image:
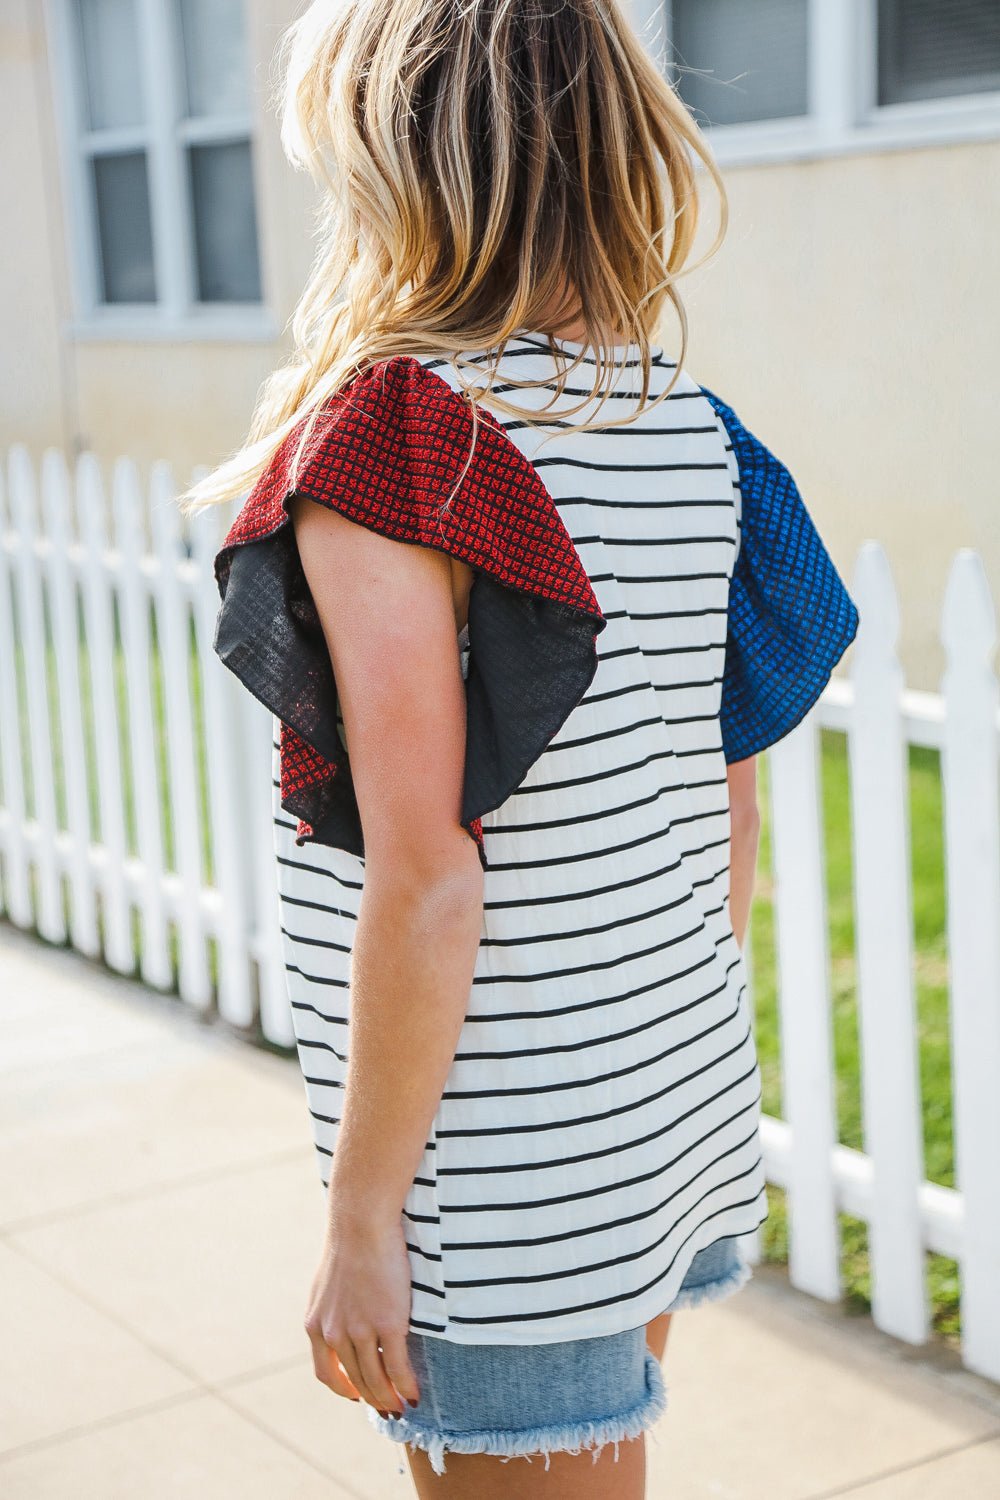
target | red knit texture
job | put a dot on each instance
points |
(386, 451)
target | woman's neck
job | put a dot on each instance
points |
(571, 326)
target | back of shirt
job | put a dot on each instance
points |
(599, 1124)
(651, 601)
(653, 509)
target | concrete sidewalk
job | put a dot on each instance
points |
(160, 1216)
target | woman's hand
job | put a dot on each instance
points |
(359, 1314)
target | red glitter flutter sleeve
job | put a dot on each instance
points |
(386, 452)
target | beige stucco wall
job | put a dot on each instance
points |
(35, 374)
(851, 318)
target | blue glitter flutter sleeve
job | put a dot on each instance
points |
(791, 617)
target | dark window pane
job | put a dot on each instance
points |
(215, 57)
(121, 196)
(928, 50)
(756, 52)
(110, 40)
(225, 223)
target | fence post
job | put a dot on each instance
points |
(804, 1010)
(16, 891)
(883, 918)
(64, 601)
(232, 855)
(173, 622)
(98, 600)
(134, 596)
(51, 916)
(972, 862)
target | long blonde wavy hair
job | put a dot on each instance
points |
(479, 161)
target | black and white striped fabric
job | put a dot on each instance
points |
(600, 1122)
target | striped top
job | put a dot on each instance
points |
(600, 1121)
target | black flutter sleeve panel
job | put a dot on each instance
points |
(386, 452)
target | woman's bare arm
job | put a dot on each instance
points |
(388, 615)
(745, 833)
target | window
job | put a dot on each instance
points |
(755, 53)
(780, 79)
(927, 50)
(158, 113)
(217, 138)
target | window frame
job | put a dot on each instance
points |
(844, 117)
(165, 136)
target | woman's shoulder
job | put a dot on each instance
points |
(395, 448)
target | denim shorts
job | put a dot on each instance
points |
(515, 1400)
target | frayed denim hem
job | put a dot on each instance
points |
(712, 1291)
(523, 1442)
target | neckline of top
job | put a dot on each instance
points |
(574, 346)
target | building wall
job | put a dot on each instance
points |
(35, 373)
(850, 318)
(853, 320)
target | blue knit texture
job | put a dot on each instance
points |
(790, 616)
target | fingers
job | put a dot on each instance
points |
(327, 1368)
(396, 1359)
(357, 1369)
(348, 1358)
(371, 1375)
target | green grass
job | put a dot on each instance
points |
(931, 971)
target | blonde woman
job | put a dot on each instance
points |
(525, 601)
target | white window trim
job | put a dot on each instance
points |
(176, 314)
(844, 118)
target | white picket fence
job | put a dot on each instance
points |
(135, 825)
(885, 1185)
(179, 892)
